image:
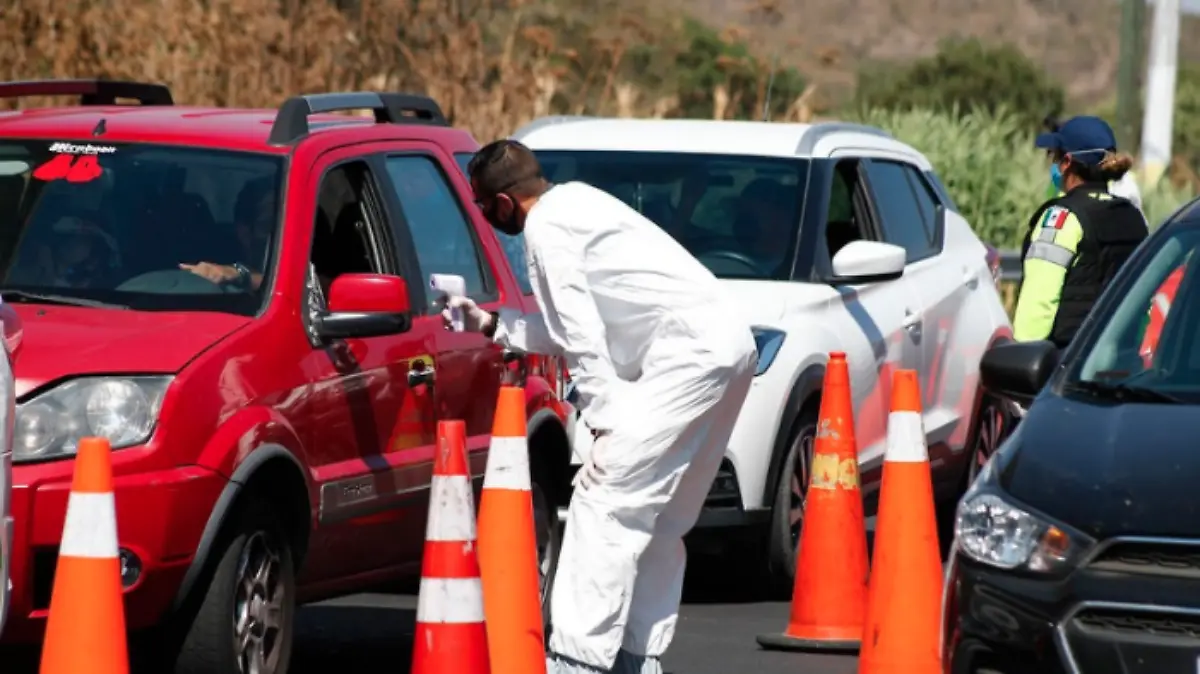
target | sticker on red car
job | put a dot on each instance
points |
(73, 163)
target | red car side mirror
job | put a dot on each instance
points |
(366, 305)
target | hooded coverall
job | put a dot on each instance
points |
(663, 362)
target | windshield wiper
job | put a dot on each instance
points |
(1124, 392)
(50, 298)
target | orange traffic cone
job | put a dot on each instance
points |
(904, 599)
(85, 633)
(450, 634)
(830, 592)
(507, 546)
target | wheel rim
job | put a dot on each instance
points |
(802, 451)
(258, 620)
(987, 440)
(543, 535)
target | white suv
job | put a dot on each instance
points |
(834, 237)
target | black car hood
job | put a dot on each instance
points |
(1108, 469)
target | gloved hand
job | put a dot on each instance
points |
(590, 472)
(474, 318)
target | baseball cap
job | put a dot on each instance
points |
(1085, 138)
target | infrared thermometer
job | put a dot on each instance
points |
(446, 286)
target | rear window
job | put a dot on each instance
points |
(140, 226)
(514, 246)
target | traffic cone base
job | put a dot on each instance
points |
(829, 598)
(85, 631)
(902, 627)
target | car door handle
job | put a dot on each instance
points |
(420, 377)
(970, 277)
(912, 319)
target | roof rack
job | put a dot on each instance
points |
(291, 122)
(90, 92)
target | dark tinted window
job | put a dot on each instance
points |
(738, 215)
(114, 223)
(1147, 329)
(514, 246)
(902, 220)
(442, 235)
(942, 192)
(927, 200)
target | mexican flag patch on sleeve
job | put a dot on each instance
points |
(1055, 216)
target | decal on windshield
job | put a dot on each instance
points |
(74, 163)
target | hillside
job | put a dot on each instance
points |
(828, 40)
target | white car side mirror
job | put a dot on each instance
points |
(868, 262)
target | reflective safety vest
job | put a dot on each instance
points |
(1160, 306)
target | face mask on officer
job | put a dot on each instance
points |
(501, 212)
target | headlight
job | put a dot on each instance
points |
(993, 531)
(121, 409)
(768, 342)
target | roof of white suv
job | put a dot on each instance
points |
(764, 139)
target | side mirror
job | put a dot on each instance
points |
(365, 305)
(867, 262)
(1018, 370)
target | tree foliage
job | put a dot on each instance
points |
(965, 74)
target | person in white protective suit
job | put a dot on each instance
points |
(662, 364)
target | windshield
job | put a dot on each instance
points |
(148, 227)
(1146, 341)
(738, 215)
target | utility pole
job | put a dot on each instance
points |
(1159, 115)
(1133, 15)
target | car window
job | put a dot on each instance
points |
(897, 206)
(1147, 337)
(154, 228)
(442, 236)
(928, 202)
(514, 246)
(739, 215)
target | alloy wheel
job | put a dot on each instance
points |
(987, 439)
(802, 449)
(258, 620)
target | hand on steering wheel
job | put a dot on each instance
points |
(215, 273)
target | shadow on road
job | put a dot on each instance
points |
(353, 638)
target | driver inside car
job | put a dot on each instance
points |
(254, 219)
(764, 224)
(82, 255)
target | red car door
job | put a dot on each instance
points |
(430, 215)
(372, 417)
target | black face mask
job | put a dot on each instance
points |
(511, 226)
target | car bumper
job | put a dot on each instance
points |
(1095, 621)
(160, 518)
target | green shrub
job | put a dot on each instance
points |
(964, 74)
(989, 165)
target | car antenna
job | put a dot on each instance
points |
(101, 128)
(770, 86)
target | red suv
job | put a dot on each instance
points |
(238, 301)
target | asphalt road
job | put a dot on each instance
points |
(372, 633)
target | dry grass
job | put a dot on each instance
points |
(492, 65)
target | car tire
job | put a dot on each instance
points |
(548, 530)
(244, 623)
(787, 511)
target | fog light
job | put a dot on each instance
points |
(131, 568)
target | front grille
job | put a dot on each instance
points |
(1161, 559)
(1132, 640)
(1123, 622)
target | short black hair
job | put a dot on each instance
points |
(505, 166)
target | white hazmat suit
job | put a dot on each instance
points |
(662, 362)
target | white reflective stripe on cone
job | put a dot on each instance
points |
(507, 464)
(91, 527)
(905, 438)
(1162, 304)
(451, 509)
(450, 600)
